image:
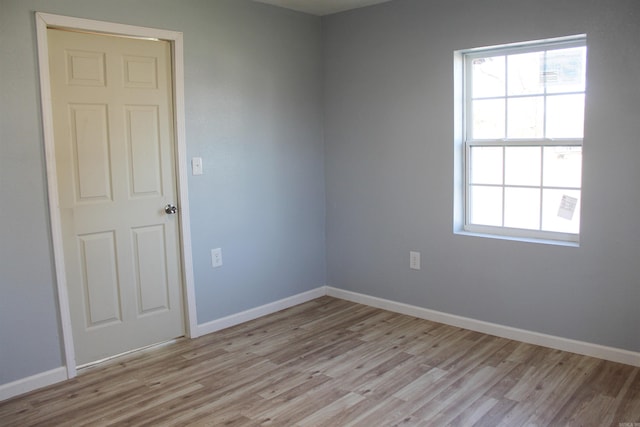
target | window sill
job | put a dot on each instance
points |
(518, 239)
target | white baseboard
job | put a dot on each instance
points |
(263, 310)
(53, 376)
(580, 347)
(25, 385)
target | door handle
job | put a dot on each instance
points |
(170, 209)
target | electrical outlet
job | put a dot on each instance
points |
(216, 257)
(414, 260)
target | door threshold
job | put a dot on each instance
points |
(126, 353)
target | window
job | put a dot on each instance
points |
(523, 128)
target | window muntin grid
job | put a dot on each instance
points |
(523, 139)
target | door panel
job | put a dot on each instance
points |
(114, 146)
(144, 149)
(100, 278)
(90, 141)
(140, 72)
(151, 266)
(85, 68)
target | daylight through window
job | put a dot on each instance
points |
(524, 121)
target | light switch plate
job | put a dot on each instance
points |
(196, 165)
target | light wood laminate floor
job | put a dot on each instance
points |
(330, 362)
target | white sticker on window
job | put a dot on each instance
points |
(562, 67)
(567, 207)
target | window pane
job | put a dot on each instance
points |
(523, 73)
(524, 124)
(488, 76)
(565, 116)
(561, 211)
(485, 205)
(525, 117)
(522, 166)
(486, 165)
(565, 69)
(488, 119)
(562, 167)
(522, 208)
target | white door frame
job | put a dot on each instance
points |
(43, 22)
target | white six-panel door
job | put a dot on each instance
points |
(114, 149)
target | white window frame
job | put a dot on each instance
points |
(465, 80)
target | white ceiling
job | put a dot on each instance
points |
(321, 7)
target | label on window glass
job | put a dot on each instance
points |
(562, 67)
(567, 207)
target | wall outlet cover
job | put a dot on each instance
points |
(414, 260)
(216, 257)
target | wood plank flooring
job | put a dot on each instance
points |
(330, 362)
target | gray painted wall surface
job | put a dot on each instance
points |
(253, 113)
(389, 168)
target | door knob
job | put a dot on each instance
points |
(170, 209)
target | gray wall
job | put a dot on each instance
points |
(253, 113)
(389, 168)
